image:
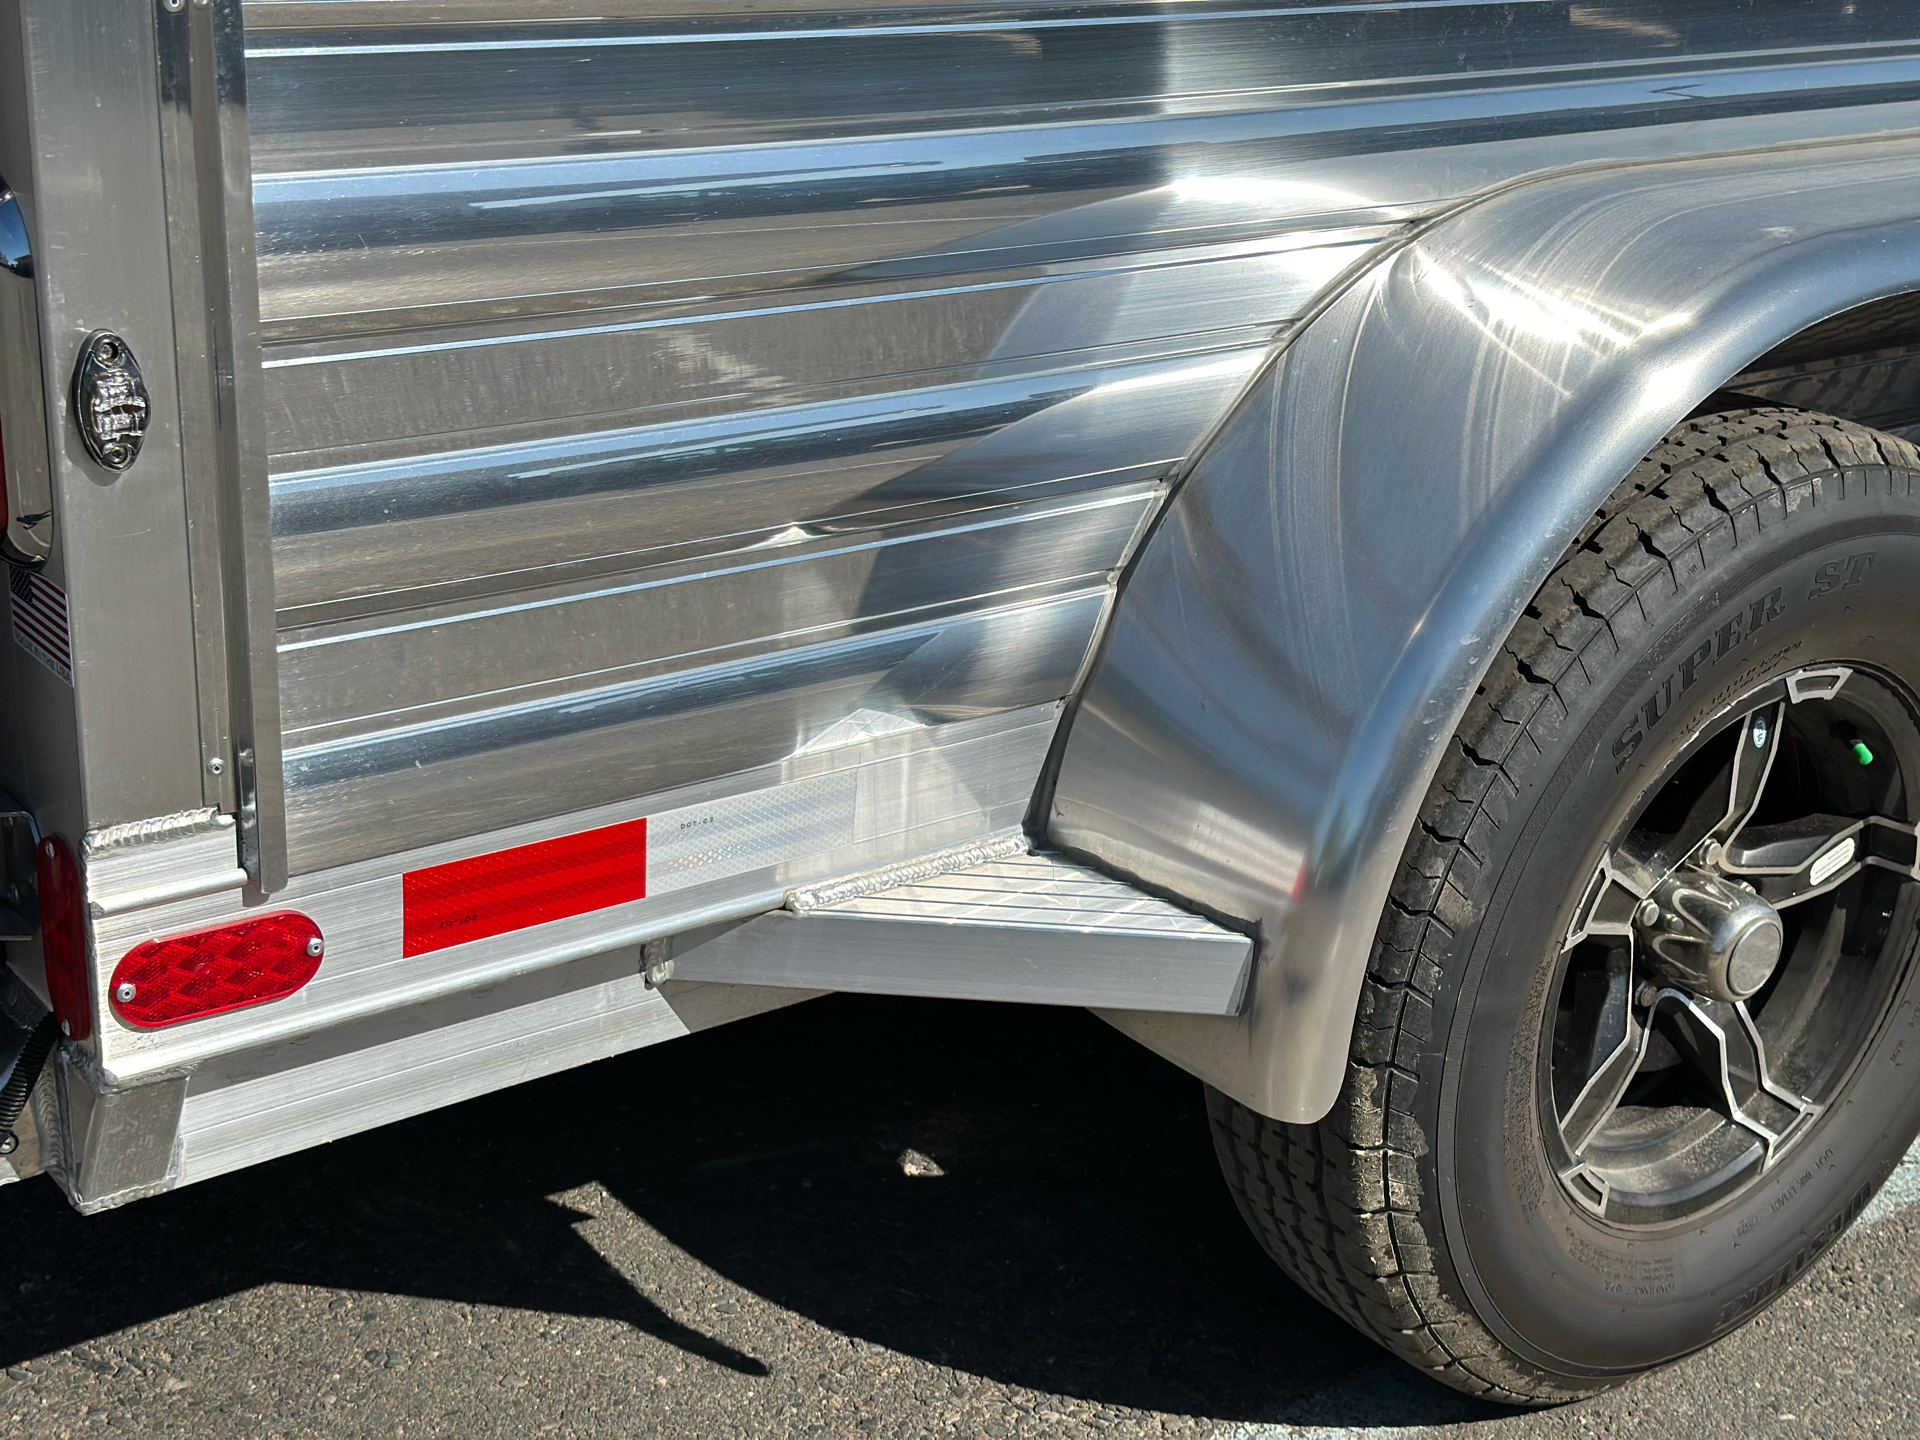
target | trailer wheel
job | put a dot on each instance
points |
(1639, 1036)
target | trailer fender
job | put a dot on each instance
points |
(1305, 627)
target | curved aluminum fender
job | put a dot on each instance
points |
(1303, 631)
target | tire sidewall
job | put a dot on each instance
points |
(1567, 1292)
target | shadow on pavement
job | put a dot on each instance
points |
(1080, 1241)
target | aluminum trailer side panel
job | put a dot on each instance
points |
(737, 419)
(607, 346)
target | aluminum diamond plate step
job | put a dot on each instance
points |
(1027, 927)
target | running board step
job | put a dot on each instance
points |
(1030, 928)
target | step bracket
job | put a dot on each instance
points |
(1029, 928)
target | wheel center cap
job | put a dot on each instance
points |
(1710, 935)
(1751, 962)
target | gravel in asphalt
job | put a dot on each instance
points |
(859, 1216)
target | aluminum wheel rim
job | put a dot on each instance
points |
(1679, 1064)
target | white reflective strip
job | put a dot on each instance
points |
(1833, 862)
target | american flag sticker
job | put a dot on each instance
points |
(40, 620)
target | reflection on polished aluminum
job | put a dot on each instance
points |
(410, 785)
(364, 538)
(425, 664)
(1387, 497)
(606, 300)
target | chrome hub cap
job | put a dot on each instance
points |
(1709, 933)
(1736, 948)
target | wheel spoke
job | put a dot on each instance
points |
(1754, 750)
(1719, 1040)
(1892, 845)
(1618, 885)
(1600, 1096)
(1604, 1052)
(1803, 1108)
(1796, 860)
(1720, 810)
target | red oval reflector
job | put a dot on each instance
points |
(208, 972)
(63, 936)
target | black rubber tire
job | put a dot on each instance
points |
(1422, 1209)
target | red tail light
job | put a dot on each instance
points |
(63, 936)
(208, 972)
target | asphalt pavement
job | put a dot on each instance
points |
(855, 1217)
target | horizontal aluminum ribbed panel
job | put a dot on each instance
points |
(424, 666)
(415, 784)
(653, 389)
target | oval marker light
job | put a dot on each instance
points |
(209, 972)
